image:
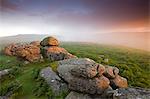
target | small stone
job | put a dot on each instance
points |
(52, 80)
(106, 60)
(101, 56)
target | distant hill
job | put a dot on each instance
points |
(21, 38)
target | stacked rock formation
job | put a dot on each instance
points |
(86, 76)
(29, 52)
(50, 49)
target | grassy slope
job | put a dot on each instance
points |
(133, 64)
(27, 81)
(24, 77)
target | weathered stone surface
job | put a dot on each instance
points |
(102, 82)
(83, 85)
(77, 61)
(53, 80)
(131, 93)
(111, 72)
(75, 95)
(55, 49)
(86, 71)
(10, 49)
(50, 49)
(65, 66)
(55, 53)
(87, 82)
(119, 82)
(121, 93)
(49, 41)
(29, 52)
(86, 76)
(90, 86)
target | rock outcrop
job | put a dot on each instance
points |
(11, 49)
(50, 49)
(29, 52)
(86, 76)
(121, 93)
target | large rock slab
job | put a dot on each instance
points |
(90, 86)
(66, 66)
(86, 76)
(82, 75)
(53, 80)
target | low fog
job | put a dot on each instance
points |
(138, 40)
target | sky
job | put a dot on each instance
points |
(74, 19)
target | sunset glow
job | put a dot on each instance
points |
(85, 20)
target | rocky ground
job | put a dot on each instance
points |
(85, 80)
(82, 77)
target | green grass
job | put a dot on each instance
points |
(8, 61)
(133, 65)
(25, 77)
